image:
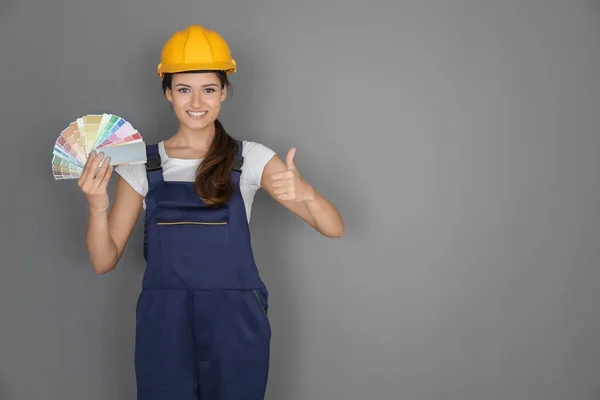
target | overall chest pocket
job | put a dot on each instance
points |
(191, 233)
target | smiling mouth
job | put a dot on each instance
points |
(197, 114)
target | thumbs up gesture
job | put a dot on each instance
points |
(288, 185)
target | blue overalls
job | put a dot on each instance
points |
(202, 331)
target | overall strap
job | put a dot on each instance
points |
(153, 166)
(239, 159)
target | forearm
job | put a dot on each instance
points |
(101, 247)
(326, 217)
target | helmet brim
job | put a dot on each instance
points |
(228, 67)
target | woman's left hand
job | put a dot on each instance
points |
(289, 185)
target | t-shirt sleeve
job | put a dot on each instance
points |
(256, 156)
(135, 175)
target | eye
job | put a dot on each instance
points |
(209, 90)
(183, 90)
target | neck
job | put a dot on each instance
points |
(194, 139)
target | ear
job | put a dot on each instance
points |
(223, 94)
(169, 95)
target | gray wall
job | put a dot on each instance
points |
(460, 141)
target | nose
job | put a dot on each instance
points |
(197, 100)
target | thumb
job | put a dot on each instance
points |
(289, 159)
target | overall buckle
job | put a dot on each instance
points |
(237, 164)
(153, 164)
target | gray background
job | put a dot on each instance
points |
(459, 139)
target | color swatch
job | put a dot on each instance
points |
(107, 133)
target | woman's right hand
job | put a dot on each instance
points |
(94, 180)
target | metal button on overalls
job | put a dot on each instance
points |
(202, 331)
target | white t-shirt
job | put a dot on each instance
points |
(256, 156)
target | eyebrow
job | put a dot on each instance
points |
(186, 85)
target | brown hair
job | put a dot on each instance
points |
(212, 182)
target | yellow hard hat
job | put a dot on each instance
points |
(196, 48)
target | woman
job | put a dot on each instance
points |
(202, 330)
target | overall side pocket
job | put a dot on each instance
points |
(262, 299)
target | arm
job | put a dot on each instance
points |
(283, 182)
(107, 233)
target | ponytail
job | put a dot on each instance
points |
(213, 182)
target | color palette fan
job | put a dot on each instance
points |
(106, 133)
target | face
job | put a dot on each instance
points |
(196, 98)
